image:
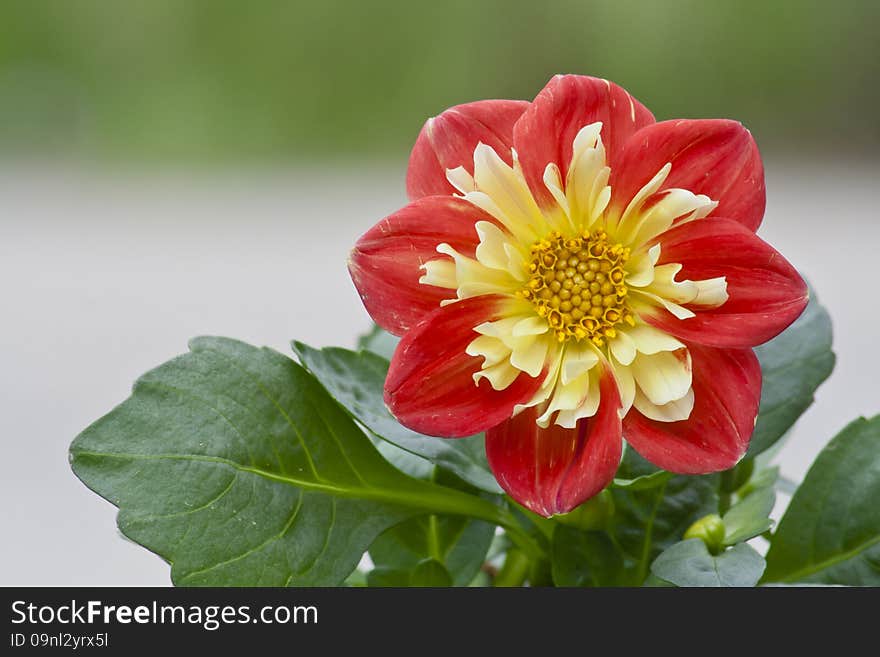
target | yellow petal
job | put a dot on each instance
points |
(674, 411)
(650, 340)
(440, 273)
(663, 377)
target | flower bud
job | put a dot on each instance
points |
(710, 530)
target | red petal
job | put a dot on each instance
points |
(448, 141)
(430, 386)
(766, 293)
(553, 470)
(547, 129)
(385, 263)
(715, 157)
(727, 390)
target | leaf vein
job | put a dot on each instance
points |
(254, 549)
(191, 395)
(324, 547)
(277, 405)
(164, 516)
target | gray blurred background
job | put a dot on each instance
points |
(176, 168)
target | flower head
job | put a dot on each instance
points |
(570, 272)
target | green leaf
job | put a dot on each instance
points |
(634, 466)
(426, 573)
(585, 558)
(379, 341)
(356, 380)
(235, 465)
(689, 563)
(596, 513)
(647, 521)
(749, 517)
(638, 473)
(793, 365)
(763, 478)
(458, 543)
(737, 476)
(406, 462)
(388, 577)
(430, 573)
(643, 482)
(357, 579)
(830, 533)
(654, 582)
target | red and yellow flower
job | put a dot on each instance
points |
(570, 272)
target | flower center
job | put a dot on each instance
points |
(579, 285)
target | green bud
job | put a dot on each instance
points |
(710, 530)
(595, 513)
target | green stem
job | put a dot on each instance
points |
(481, 509)
(515, 569)
(433, 529)
(457, 503)
(645, 560)
(434, 539)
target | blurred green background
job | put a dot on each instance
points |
(219, 81)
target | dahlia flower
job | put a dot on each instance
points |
(570, 273)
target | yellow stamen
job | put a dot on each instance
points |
(579, 285)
